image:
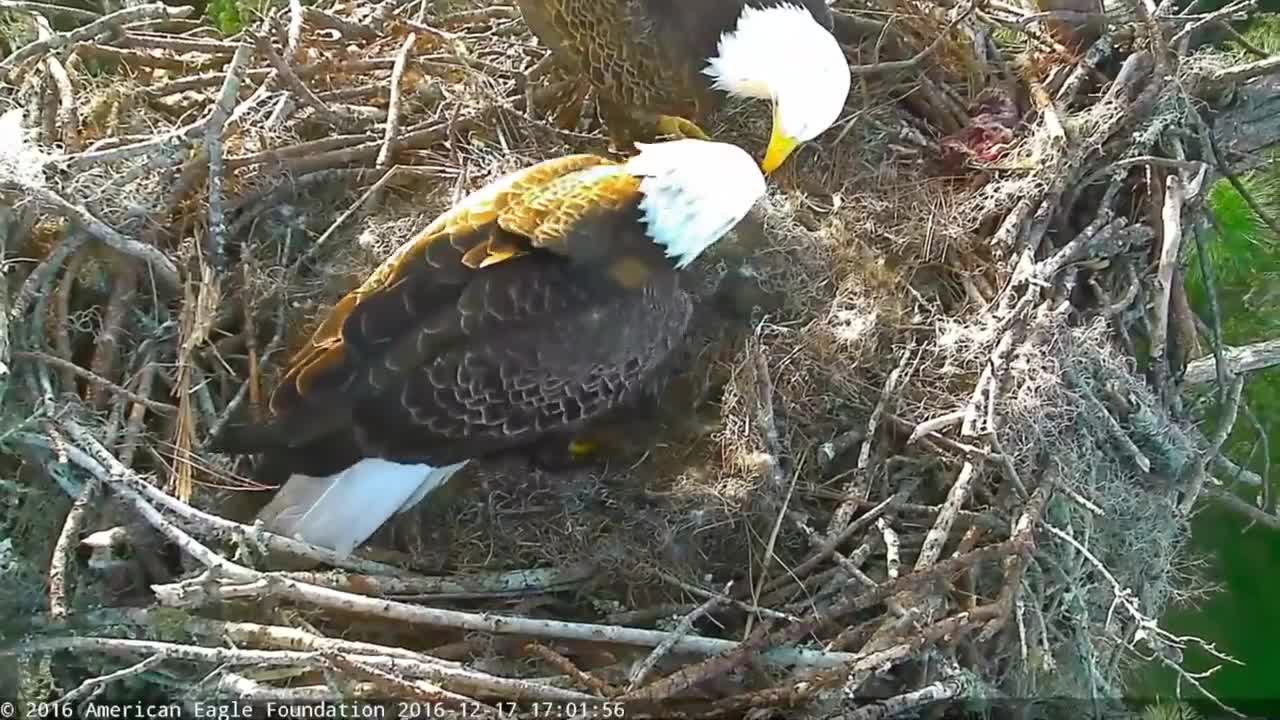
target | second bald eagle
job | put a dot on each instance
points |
(656, 65)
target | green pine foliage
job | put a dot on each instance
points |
(1244, 258)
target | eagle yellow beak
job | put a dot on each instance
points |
(780, 146)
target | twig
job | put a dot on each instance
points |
(1249, 511)
(92, 685)
(304, 93)
(585, 680)
(174, 141)
(1225, 170)
(464, 680)
(62, 549)
(935, 425)
(164, 269)
(92, 30)
(215, 242)
(1268, 497)
(257, 584)
(294, 34)
(37, 356)
(1215, 317)
(68, 115)
(1100, 412)
(1225, 424)
(213, 524)
(888, 395)
(393, 105)
(400, 687)
(71, 13)
(176, 44)
(746, 607)
(1246, 71)
(1212, 18)
(322, 242)
(1170, 243)
(641, 673)
(914, 60)
(1240, 360)
(1154, 636)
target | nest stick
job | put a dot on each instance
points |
(463, 680)
(400, 687)
(393, 105)
(911, 704)
(284, 588)
(99, 461)
(37, 356)
(1225, 424)
(1155, 636)
(807, 684)
(68, 538)
(1171, 242)
(1250, 512)
(61, 325)
(161, 266)
(1015, 566)
(293, 36)
(585, 680)
(641, 672)
(68, 117)
(1246, 71)
(215, 239)
(1212, 18)
(92, 686)
(888, 395)
(257, 635)
(71, 13)
(459, 587)
(92, 30)
(124, 288)
(137, 414)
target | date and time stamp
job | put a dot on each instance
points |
(353, 710)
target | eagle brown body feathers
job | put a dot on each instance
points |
(644, 57)
(529, 310)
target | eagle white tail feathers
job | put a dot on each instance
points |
(341, 511)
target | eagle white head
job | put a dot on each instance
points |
(780, 53)
(694, 191)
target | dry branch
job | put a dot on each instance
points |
(1240, 360)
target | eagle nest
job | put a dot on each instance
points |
(932, 436)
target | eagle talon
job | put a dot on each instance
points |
(678, 128)
(559, 457)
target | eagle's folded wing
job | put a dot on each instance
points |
(418, 300)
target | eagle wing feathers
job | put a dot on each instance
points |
(394, 332)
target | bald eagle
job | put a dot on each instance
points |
(536, 306)
(655, 64)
